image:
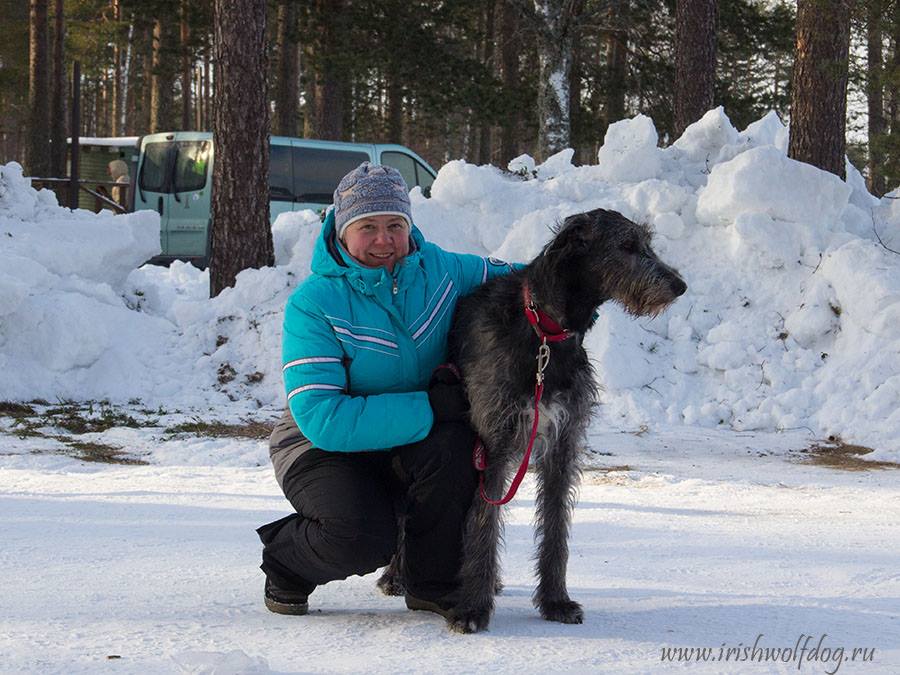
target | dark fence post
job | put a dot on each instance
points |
(74, 168)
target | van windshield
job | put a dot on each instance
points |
(153, 170)
(175, 166)
(191, 163)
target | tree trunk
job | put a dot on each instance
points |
(99, 112)
(616, 44)
(328, 112)
(186, 112)
(577, 121)
(490, 38)
(126, 119)
(286, 71)
(695, 61)
(875, 97)
(556, 42)
(241, 234)
(309, 79)
(509, 66)
(143, 83)
(329, 115)
(59, 94)
(115, 89)
(394, 112)
(37, 155)
(819, 84)
(893, 95)
(162, 101)
(207, 98)
(198, 97)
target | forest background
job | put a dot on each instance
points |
(449, 78)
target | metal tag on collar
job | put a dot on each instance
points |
(543, 360)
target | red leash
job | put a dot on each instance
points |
(547, 330)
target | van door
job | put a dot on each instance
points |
(189, 203)
(154, 175)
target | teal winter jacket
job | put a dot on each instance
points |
(360, 344)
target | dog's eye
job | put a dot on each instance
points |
(631, 247)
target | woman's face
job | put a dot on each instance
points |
(378, 241)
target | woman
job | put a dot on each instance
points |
(375, 436)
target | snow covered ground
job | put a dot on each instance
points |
(692, 540)
(706, 521)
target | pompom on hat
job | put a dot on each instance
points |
(370, 190)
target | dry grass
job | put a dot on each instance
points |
(843, 456)
(99, 452)
(249, 429)
(74, 419)
(10, 409)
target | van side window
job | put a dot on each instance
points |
(404, 164)
(411, 170)
(281, 174)
(317, 172)
(424, 177)
(153, 170)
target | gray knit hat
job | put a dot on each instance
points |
(370, 190)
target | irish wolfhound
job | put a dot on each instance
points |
(519, 338)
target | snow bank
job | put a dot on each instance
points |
(629, 153)
(791, 318)
(65, 331)
(764, 180)
(96, 247)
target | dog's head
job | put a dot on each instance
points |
(609, 257)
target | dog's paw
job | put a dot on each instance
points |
(564, 611)
(391, 584)
(498, 587)
(469, 621)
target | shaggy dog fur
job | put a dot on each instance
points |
(594, 257)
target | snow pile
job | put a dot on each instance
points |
(65, 331)
(629, 153)
(791, 319)
(96, 247)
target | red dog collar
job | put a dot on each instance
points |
(543, 324)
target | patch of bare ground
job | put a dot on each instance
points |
(248, 429)
(843, 456)
(41, 420)
(601, 475)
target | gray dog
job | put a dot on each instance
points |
(513, 334)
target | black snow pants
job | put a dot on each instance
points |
(349, 506)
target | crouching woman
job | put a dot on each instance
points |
(375, 436)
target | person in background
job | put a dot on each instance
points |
(375, 436)
(117, 170)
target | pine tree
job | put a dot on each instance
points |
(241, 236)
(819, 85)
(58, 94)
(37, 158)
(695, 60)
(557, 24)
(284, 121)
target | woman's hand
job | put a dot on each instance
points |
(447, 395)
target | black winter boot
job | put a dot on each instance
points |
(282, 601)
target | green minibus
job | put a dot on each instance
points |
(174, 177)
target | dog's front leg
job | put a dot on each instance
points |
(557, 478)
(479, 573)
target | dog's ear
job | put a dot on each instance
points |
(572, 236)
